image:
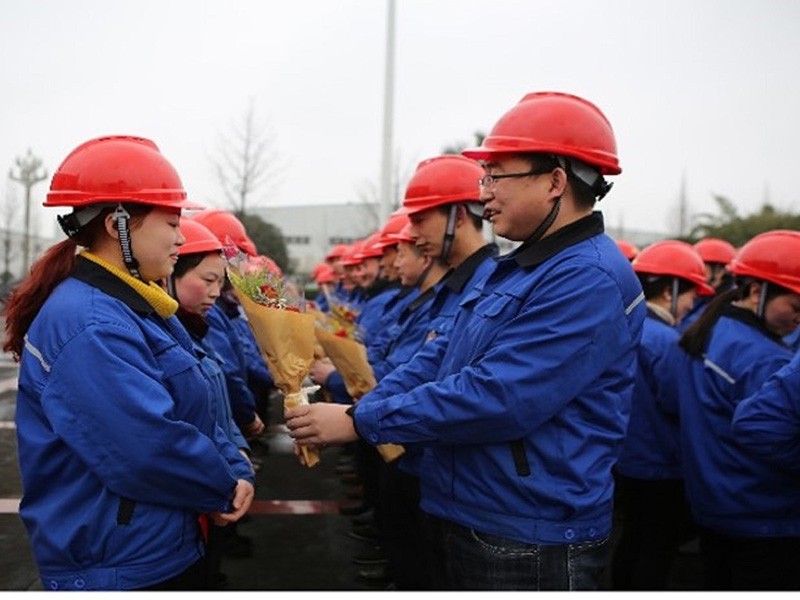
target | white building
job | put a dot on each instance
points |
(311, 230)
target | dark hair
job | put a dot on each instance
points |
(695, 339)
(654, 285)
(187, 262)
(25, 302)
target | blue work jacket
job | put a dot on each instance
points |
(118, 452)
(210, 362)
(466, 276)
(652, 445)
(523, 406)
(382, 337)
(406, 337)
(224, 338)
(731, 490)
(255, 366)
(378, 296)
(768, 422)
(444, 308)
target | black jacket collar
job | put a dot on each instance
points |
(748, 317)
(458, 277)
(535, 253)
(96, 276)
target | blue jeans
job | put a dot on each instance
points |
(480, 561)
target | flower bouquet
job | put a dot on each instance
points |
(349, 356)
(342, 321)
(282, 328)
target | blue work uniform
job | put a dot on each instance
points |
(374, 307)
(652, 445)
(767, 423)
(118, 451)
(650, 491)
(226, 341)
(523, 406)
(730, 490)
(469, 274)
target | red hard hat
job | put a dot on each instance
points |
(198, 238)
(714, 250)
(554, 123)
(371, 247)
(674, 258)
(226, 227)
(336, 252)
(629, 250)
(397, 220)
(352, 256)
(117, 169)
(323, 273)
(443, 180)
(773, 256)
(404, 235)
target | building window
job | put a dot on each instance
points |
(333, 241)
(300, 240)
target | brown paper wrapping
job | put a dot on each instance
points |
(293, 399)
(286, 339)
(350, 359)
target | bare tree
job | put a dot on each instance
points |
(245, 161)
(29, 173)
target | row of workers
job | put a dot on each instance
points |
(512, 432)
(524, 387)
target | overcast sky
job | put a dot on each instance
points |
(706, 89)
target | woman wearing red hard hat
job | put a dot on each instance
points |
(117, 455)
(522, 407)
(747, 509)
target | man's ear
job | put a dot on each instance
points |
(461, 215)
(558, 181)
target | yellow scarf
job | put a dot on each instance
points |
(153, 294)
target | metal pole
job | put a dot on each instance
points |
(28, 176)
(388, 105)
(26, 250)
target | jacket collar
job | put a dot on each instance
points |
(748, 317)
(96, 276)
(458, 277)
(531, 254)
(656, 312)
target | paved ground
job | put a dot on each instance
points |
(300, 539)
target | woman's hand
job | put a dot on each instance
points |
(242, 499)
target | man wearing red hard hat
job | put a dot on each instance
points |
(522, 407)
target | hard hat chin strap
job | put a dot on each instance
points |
(762, 300)
(545, 225)
(449, 233)
(673, 305)
(424, 275)
(121, 218)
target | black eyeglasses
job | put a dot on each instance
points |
(490, 180)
